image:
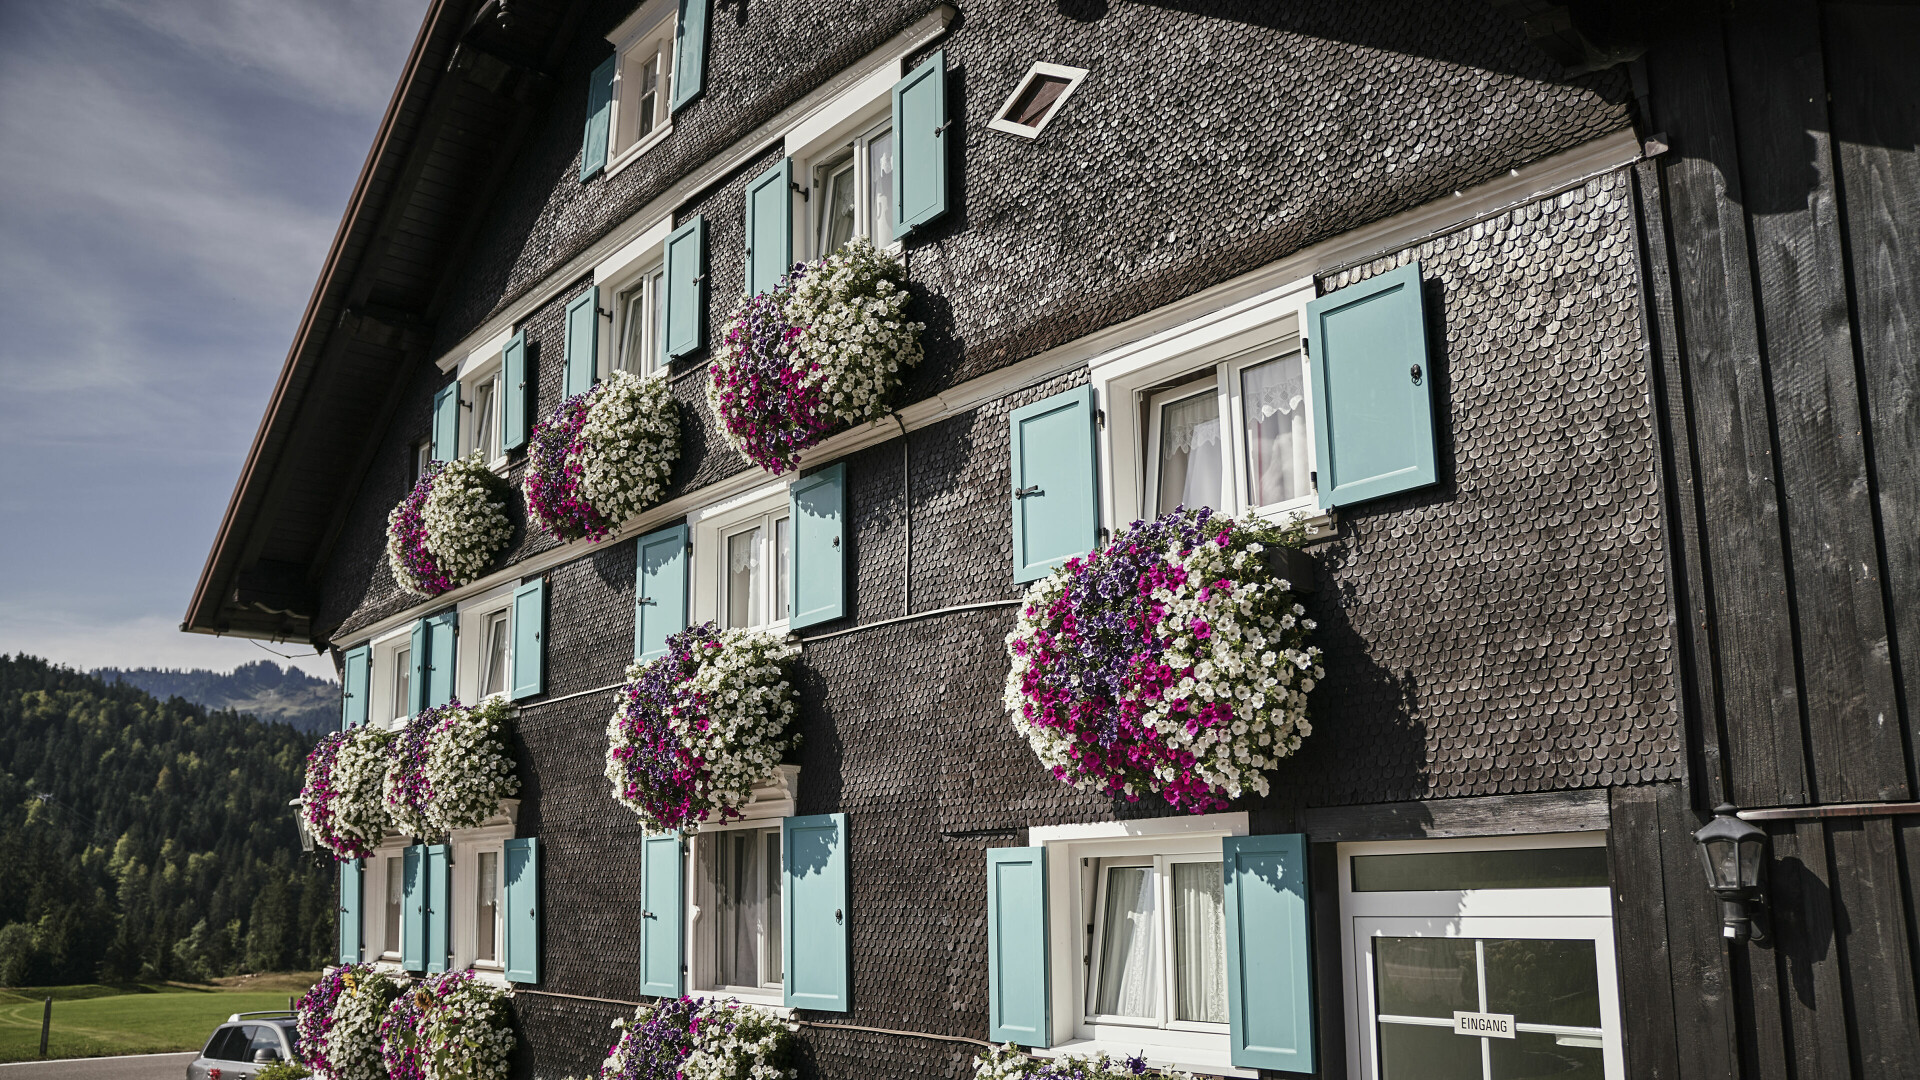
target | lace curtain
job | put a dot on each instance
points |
(1192, 463)
(1128, 983)
(1199, 943)
(1273, 396)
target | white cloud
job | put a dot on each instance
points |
(147, 641)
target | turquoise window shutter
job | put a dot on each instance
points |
(353, 687)
(439, 906)
(583, 341)
(813, 899)
(522, 899)
(920, 135)
(593, 147)
(441, 649)
(769, 227)
(516, 392)
(1056, 513)
(817, 583)
(413, 908)
(659, 591)
(418, 662)
(1372, 389)
(446, 422)
(1269, 967)
(689, 53)
(349, 926)
(663, 890)
(529, 639)
(686, 278)
(1018, 978)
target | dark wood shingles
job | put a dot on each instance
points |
(1786, 173)
(1870, 935)
(1733, 425)
(1876, 130)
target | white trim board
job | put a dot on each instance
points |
(772, 133)
(1235, 296)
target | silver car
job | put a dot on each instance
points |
(245, 1044)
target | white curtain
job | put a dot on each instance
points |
(1273, 396)
(1129, 985)
(880, 186)
(743, 578)
(1199, 943)
(1191, 459)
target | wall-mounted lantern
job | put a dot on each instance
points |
(300, 823)
(1734, 851)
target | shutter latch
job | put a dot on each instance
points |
(798, 190)
(1021, 493)
(941, 130)
(646, 914)
(1415, 372)
(646, 601)
(838, 915)
(836, 541)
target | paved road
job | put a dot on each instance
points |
(137, 1067)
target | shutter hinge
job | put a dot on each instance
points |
(1313, 479)
(798, 190)
(604, 313)
(1100, 418)
(1306, 346)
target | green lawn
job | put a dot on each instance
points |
(94, 1021)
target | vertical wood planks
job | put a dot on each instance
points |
(1703, 1001)
(1875, 951)
(1640, 929)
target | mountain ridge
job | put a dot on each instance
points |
(262, 688)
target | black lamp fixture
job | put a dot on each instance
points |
(1734, 851)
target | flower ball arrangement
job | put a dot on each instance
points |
(449, 768)
(449, 527)
(820, 351)
(342, 798)
(1173, 661)
(697, 728)
(700, 1039)
(448, 1027)
(339, 1022)
(602, 457)
(1008, 1063)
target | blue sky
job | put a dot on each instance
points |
(171, 173)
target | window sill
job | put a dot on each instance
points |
(632, 153)
(770, 1000)
(1208, 1062)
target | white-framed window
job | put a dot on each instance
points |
(390, 678)
(734, 879)
(484, 646)
(642, 80)
(422, 457)
(850, 189)
(383, 889)
(481, 395)
(1217, 413)
(639, 316)
(477, 932)
(1036, 99)
(1142, 906)
(742, 549)
(1480, 958)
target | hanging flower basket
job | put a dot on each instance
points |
(700, 1039)
(1174, 661)
(449, 769)
(602, 457)
(698, 727)
(339, 1023)
(449, 527)
(1008, 1063)
(342, 796)
(448, 1027)
(821, 351)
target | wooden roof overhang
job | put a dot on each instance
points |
(471, 85)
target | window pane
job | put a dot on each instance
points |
(261, 1037)
(743, 579)
(658, 289)
(1191, 463)
(1129, 983)
(1408, 1052)
(1425, 976)
(1544, 981)
(1454, 871)
(1533, 1055)
(495, 669)
(402, 683)
(836, 209)
(649, 95)
(880, 187)
(1273, 397)
(487, 906)
(1199, 943)
(391, 941)
(772, 876)
(782, 557)
(738, 900)
(633, 330)
(483, 420)
(1036, 100)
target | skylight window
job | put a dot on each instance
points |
(1037, 99)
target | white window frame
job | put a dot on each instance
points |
(773, 799)
(463, 929)
(825, 158)
(1128, 379)
(383, 654)
(1074, 892)
(1572, 913)
(470, 642)
(643, 261)
(712, 526)
(484, 366)
(835, 127)
(422, 457)
(646, 34)
(373, 907)
(1000, 122)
